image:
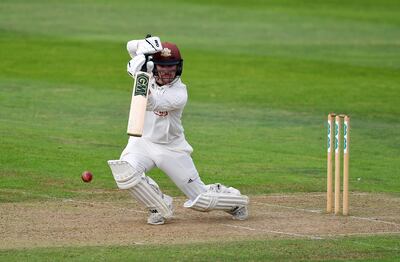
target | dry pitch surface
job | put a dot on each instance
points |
(67, 222)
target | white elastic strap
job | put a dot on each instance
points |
(139, 187)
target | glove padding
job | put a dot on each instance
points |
(146, 46)
(136, 64)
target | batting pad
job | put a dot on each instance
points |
(139, 187)
(218, 197)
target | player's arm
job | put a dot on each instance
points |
(172, 99)
(140, 68)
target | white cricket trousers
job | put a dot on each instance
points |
(144, 155)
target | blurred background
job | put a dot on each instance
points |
(262, 77)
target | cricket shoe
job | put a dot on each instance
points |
(156, 218)
(239, 213)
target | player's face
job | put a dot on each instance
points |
(166, 74)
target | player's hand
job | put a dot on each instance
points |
(135, 65)
(147, 46)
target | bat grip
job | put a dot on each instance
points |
(144, 67)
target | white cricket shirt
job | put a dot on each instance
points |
(162, 123)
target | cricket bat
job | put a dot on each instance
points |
(138, 104)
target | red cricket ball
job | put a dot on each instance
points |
(87, 176)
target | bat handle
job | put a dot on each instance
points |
(144, 67)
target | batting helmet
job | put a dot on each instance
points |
(169, 55)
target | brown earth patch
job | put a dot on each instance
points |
(71, 222)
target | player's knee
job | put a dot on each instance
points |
(126, 176)
(133, 162)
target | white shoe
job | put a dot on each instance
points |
(239, 213)
(156, 218)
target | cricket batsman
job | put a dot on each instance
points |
(163, 144)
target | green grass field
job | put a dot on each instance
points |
(262, 77)
(364, 249)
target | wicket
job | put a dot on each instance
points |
(346, 153)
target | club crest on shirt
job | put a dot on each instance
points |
(161, 113)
